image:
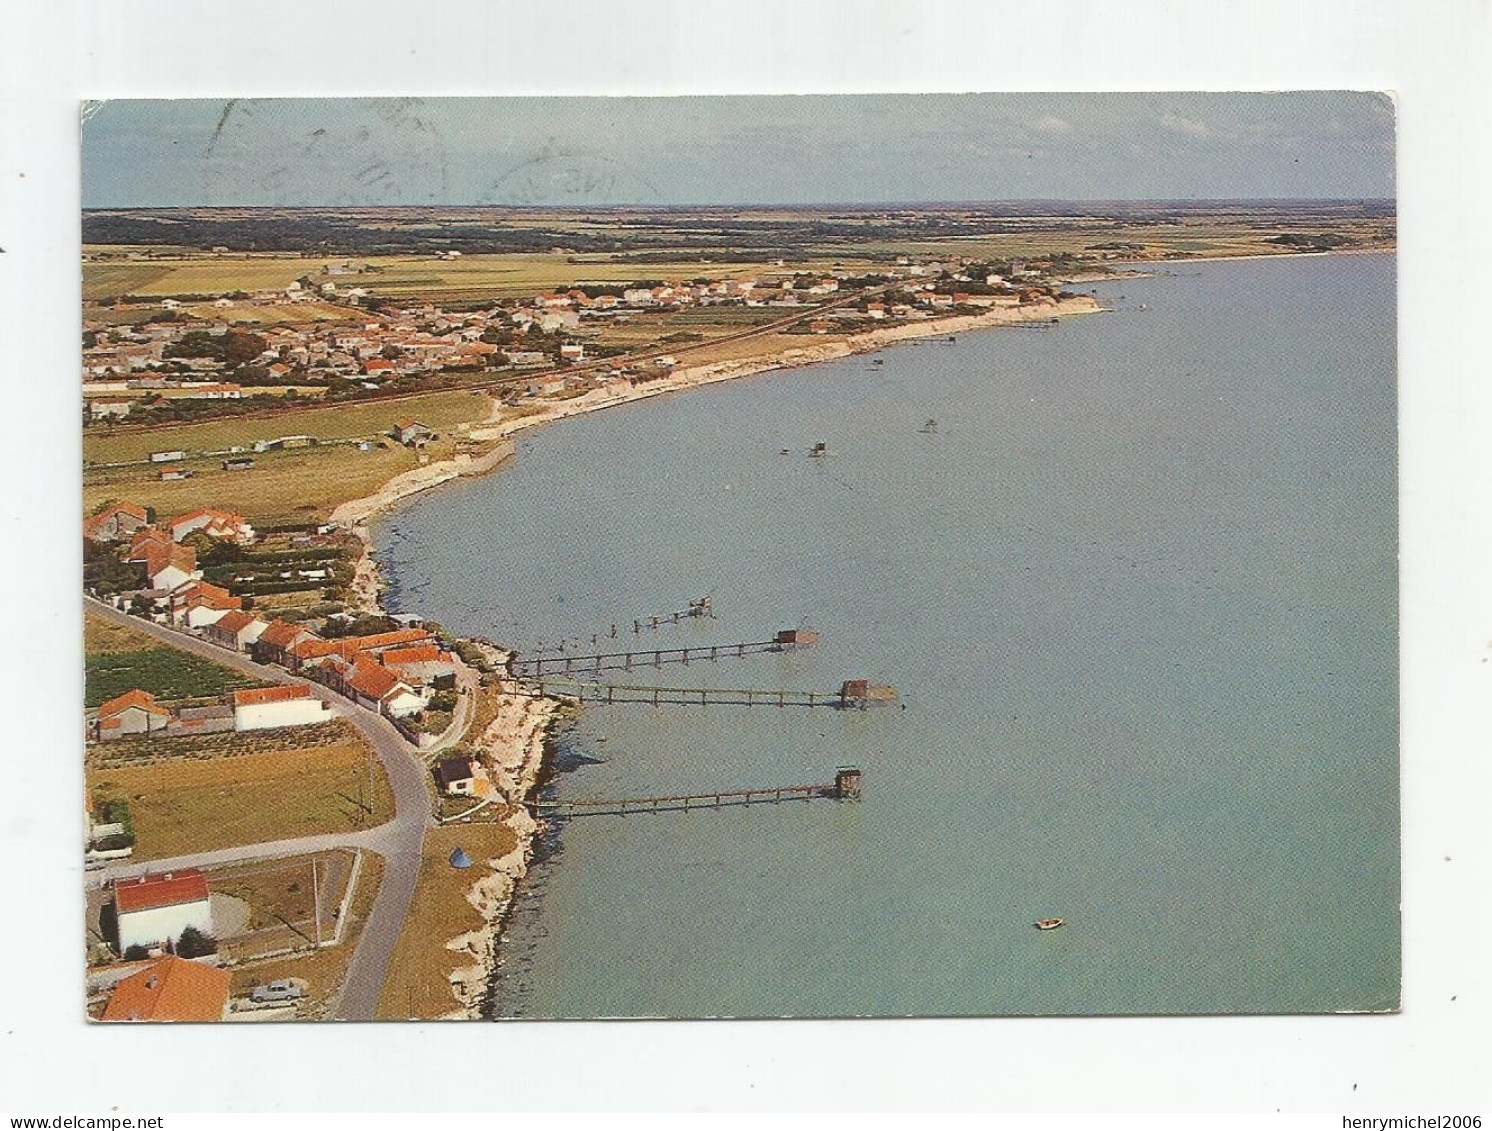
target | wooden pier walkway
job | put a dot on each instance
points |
(854, 693)
(845, 787)
(535, 666)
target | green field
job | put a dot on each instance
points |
(472, 277)
(194, 804)
(437, 410)
(164, 672)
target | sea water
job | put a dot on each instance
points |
(1137, 590)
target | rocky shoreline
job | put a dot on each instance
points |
(517, 740)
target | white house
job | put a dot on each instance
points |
(156, 907)
(214, 523)
(172, 569)
(261, 708)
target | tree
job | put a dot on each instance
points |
(135, 953)
(239, 346)
(196, 944)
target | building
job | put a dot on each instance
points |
(119, 522)
(374, 686)
(134, 712)
(546, 386)
(262, 708)
(413, 434)
(276, 641)
(200, 603)
(171, 989)
(423, 664)
(214, 719)
(214, 523)
(455, 776)
(236, 630)
(152, 910)
(572, 351)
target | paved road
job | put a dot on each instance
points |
(400, 841)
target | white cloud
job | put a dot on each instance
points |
(1048, 124)
(1177, 124)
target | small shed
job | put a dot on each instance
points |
(847, 783)
(795, 638)
(455, 776)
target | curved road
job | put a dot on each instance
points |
(400, 841)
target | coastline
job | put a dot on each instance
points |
(1272, 255)
(516, 741)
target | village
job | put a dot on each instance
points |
(176, 359)
(377, 702)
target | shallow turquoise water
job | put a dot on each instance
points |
(1138, 593)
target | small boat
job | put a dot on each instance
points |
(930, 426)
(1049, 924)
(819, 451)
(878, 361)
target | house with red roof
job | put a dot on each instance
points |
(276, 641)
(422, 664)
(171, 989)
(263, 708)
(117, 523)
(167, 565)
(134, 712)
(200, 603)
(235, 630)
(374, 686)
(152, 910)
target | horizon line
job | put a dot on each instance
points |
(881, 204)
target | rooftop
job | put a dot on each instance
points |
(160, 889)
(170, 989)
(255, 696)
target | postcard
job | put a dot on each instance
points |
(740, 557)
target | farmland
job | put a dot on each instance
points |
(282, 787)
(438, 410)
(518, 252)
(295, 485)
(118, 659)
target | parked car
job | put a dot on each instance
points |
(286, 989)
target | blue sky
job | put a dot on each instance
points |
(737, 150)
